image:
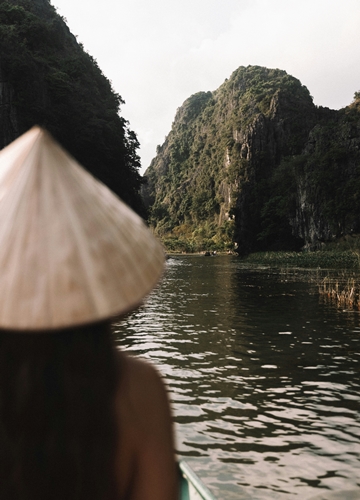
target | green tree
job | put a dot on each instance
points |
(56, 84)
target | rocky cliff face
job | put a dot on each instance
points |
(328, 182)
(270, 137)
(257, 164)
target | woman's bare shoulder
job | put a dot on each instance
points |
(139, 369)
(143, 396)
(146, 428)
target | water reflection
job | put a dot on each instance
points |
(264, 378)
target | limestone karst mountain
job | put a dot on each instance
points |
(257, 165)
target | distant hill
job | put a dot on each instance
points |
(256, 164)
(47, 78)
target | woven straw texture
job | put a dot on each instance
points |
(71, 252)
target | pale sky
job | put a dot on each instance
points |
(157, 53)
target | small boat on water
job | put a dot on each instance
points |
(191, 487)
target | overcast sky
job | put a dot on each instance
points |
(159, 52)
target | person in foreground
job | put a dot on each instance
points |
(79, 419)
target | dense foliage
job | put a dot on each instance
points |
(257, 164)
(56, 84)
(208, 158)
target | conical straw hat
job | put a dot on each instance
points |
(71, 252)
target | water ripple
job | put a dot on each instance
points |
(263, 378)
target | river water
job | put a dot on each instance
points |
(262, 374)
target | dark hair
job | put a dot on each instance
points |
(58, 433)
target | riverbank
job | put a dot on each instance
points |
(343, 253)
(323, 259)
(342, 290)
(319, 259)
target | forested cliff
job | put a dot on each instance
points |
(47, 78)
(256, 164)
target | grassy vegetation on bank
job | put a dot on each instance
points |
(342, 292)
(343, 256)
(330, 258)
(347, 259)
(208, 237)
(185, 238)
(343, 253)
